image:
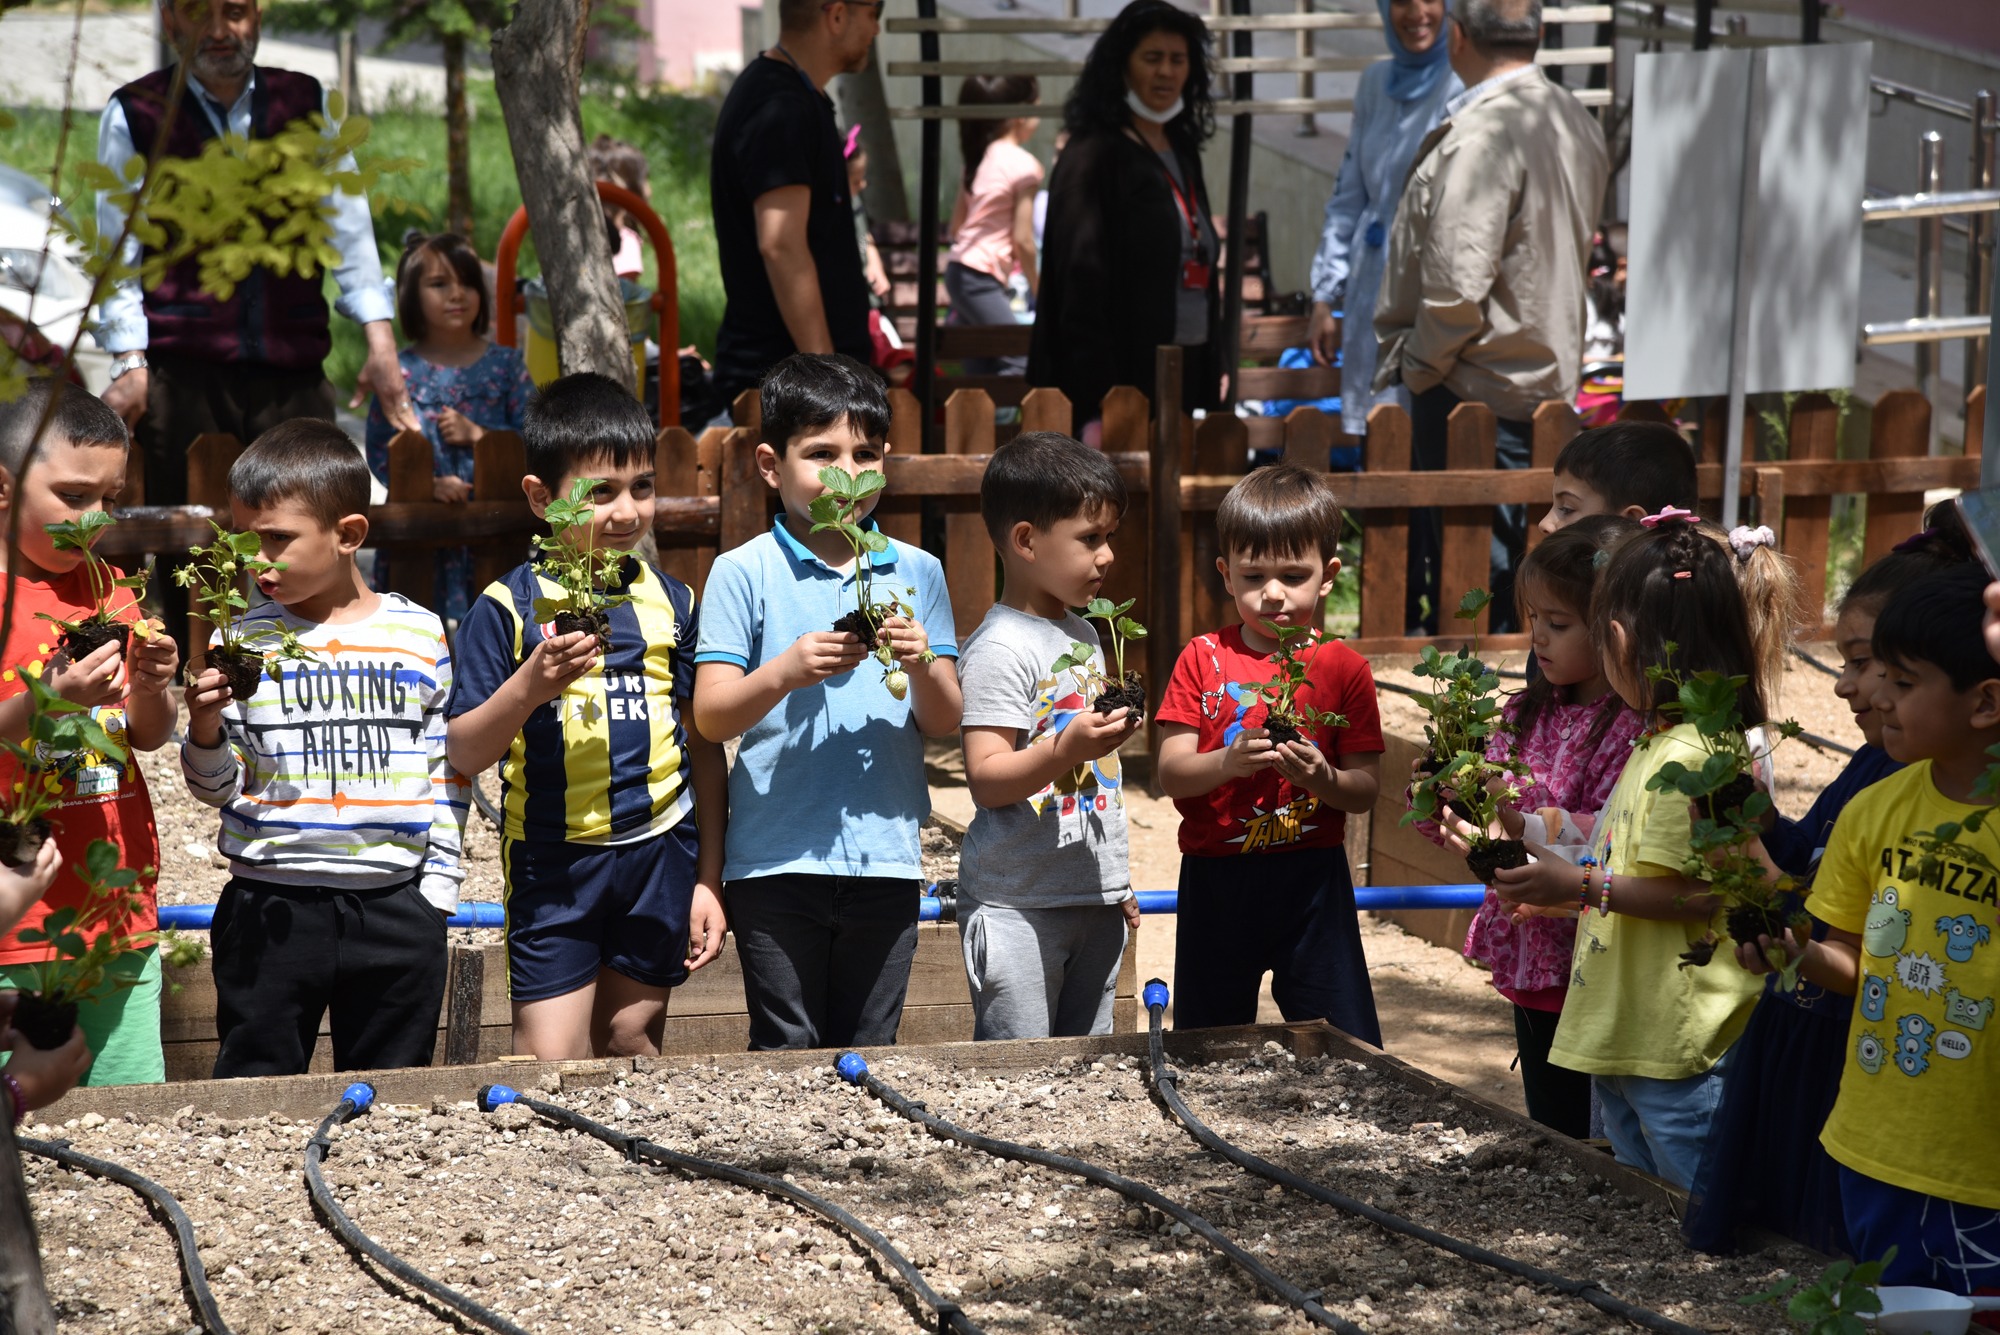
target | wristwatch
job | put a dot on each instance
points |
(127, 361)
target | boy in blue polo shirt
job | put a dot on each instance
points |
(611, 842)
(822, 875)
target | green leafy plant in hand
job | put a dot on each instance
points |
(214, 578)
(1463, 713)
(1839, 1302)
(581, 569)
(82, 637)
(1729, 815)
(78, 968)
(1286, 717)
(838, 509)
(1123, 690)
(58, 733)
(1946, 843)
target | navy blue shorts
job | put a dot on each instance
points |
(573, 909)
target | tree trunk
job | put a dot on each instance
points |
(457, 141)
(347, 60)
(537, 68)
(24, 1303)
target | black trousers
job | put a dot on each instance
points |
(826, 959)
(187, 397)
(285, 956)
(1558, 1097)
(1430, 414)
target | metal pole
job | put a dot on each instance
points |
(1739, 331)
(1704, 24)
(1930, 269)
(1809, 21)
(1979, 234)
(1989, 458)
(1239, 209)
(1308, 83)
(932, 134)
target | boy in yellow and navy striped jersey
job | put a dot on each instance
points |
(341, 816)
(611, 838)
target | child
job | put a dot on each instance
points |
(1264, 881)
(1627, 468)
(1655, 1036)
(1764, 1166)
(461, 385)
(857, 188)
(1574, 733)
(822, 876)
(993, 222)
(1045, 900)
(623, 164)
(33, 1078)
(611, 845)
(1915, 947)
(341, 818)
(78, 466)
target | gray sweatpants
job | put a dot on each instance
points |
(1041, 973)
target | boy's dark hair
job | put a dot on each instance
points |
(1937, 620)
(1942, 544)
(1647, 464)
(1565, 568)
(810, 391)
(463, 260)
(1279, 510)
(1675, 585)
(303, 460)
(1044, 477)
(79, 417)
(580, 420)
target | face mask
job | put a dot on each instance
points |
(1144, 112)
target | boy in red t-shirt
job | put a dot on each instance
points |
(1243, 796)
(78, 466)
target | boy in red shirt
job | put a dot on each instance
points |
(77, 466)
(1242, 796)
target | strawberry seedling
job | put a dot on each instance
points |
(1286, 717)
(77, 968)
(83, 637)
(580, 568)
(215, 579)
(1125, 690)
(59, 735)
(838, 510)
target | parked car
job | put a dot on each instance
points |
(42, 281)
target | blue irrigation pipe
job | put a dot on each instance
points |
(933, 908)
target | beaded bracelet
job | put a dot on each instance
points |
(1583, 891)
(1604, 900)
(15, 1096)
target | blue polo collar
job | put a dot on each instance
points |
(882, 560)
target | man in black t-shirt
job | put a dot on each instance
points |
(784, 227)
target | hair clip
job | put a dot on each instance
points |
(1684, 574)
(853, 143)
(1746, 540)
(1668, 515)
(1600, 559)
(1916, 542)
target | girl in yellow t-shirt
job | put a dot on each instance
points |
(1653, 1035)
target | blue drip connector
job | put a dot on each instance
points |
(361, 1095)
(1155, 995)
(852, 1066)
(492, 1096)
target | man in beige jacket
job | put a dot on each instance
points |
(1483, 295)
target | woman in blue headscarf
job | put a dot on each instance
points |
(1399, 102)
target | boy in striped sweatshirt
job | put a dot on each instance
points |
(342, 819)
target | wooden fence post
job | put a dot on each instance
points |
(465, 989)
(748, 411)
(1644, 410)
(1309, 437)
(708, 454)
(1901, 430)
(209, 459)
(1386, 541)
(1465, 556)
(902, 517)
(1128, 430)
(1975, 422)
(1047, 409)
(413, 572)
(1221, 444)
(1163, 619)
(968, 552)
(677, 472)
(745, 507)
(499, 461)
(1815, 435)
(1553, 426)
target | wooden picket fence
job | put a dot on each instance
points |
(711, 497)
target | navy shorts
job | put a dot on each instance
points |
(573, 909)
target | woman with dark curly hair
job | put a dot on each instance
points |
(1130, 257)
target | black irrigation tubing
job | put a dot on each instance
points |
(1165, 1083)
(854, 1069)
(162, 1202)
(635, 1148)
(357, 1098)
(1800, 652)
(486, 805)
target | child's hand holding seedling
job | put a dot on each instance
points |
(1249, 751)
(43, 1077)
(99, 678)
(23, 887)
(818, 655)
(154, 660)
(1305, 766)
(1090, 736)
(554, 663)
(206, 695)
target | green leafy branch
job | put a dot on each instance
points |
(214, 579)
(1463, 710)
(80, 535)
(1839, 1302)
(1120, 627)
(57, 730)
(570, 556)
(77, 966)
(1281, 693)
(838, 509)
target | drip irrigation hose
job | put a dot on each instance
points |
(854, 1070)
(1800, 652)
(1165, 1083)
(356, 1099)
(635, 1148)
(162, 1203)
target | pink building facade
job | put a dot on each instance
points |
(690, 42)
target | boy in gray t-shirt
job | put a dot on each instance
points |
(1045, 899)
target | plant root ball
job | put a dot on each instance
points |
(87, 637)
(860, 627)
(594, 623)
(21, 844)
(45, 1024)
(1487, 858)
(1131, 695)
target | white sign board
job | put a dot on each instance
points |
(1693, 122)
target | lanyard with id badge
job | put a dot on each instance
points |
(1195, 273)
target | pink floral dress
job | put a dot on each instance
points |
(1530, 958)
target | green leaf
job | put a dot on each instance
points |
(874, 540)
(1131, 629)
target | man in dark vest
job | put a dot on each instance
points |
(183, 362)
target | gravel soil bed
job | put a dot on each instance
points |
(561, 1234)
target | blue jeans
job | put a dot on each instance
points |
(1661, 1126)
(1940, 1244)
